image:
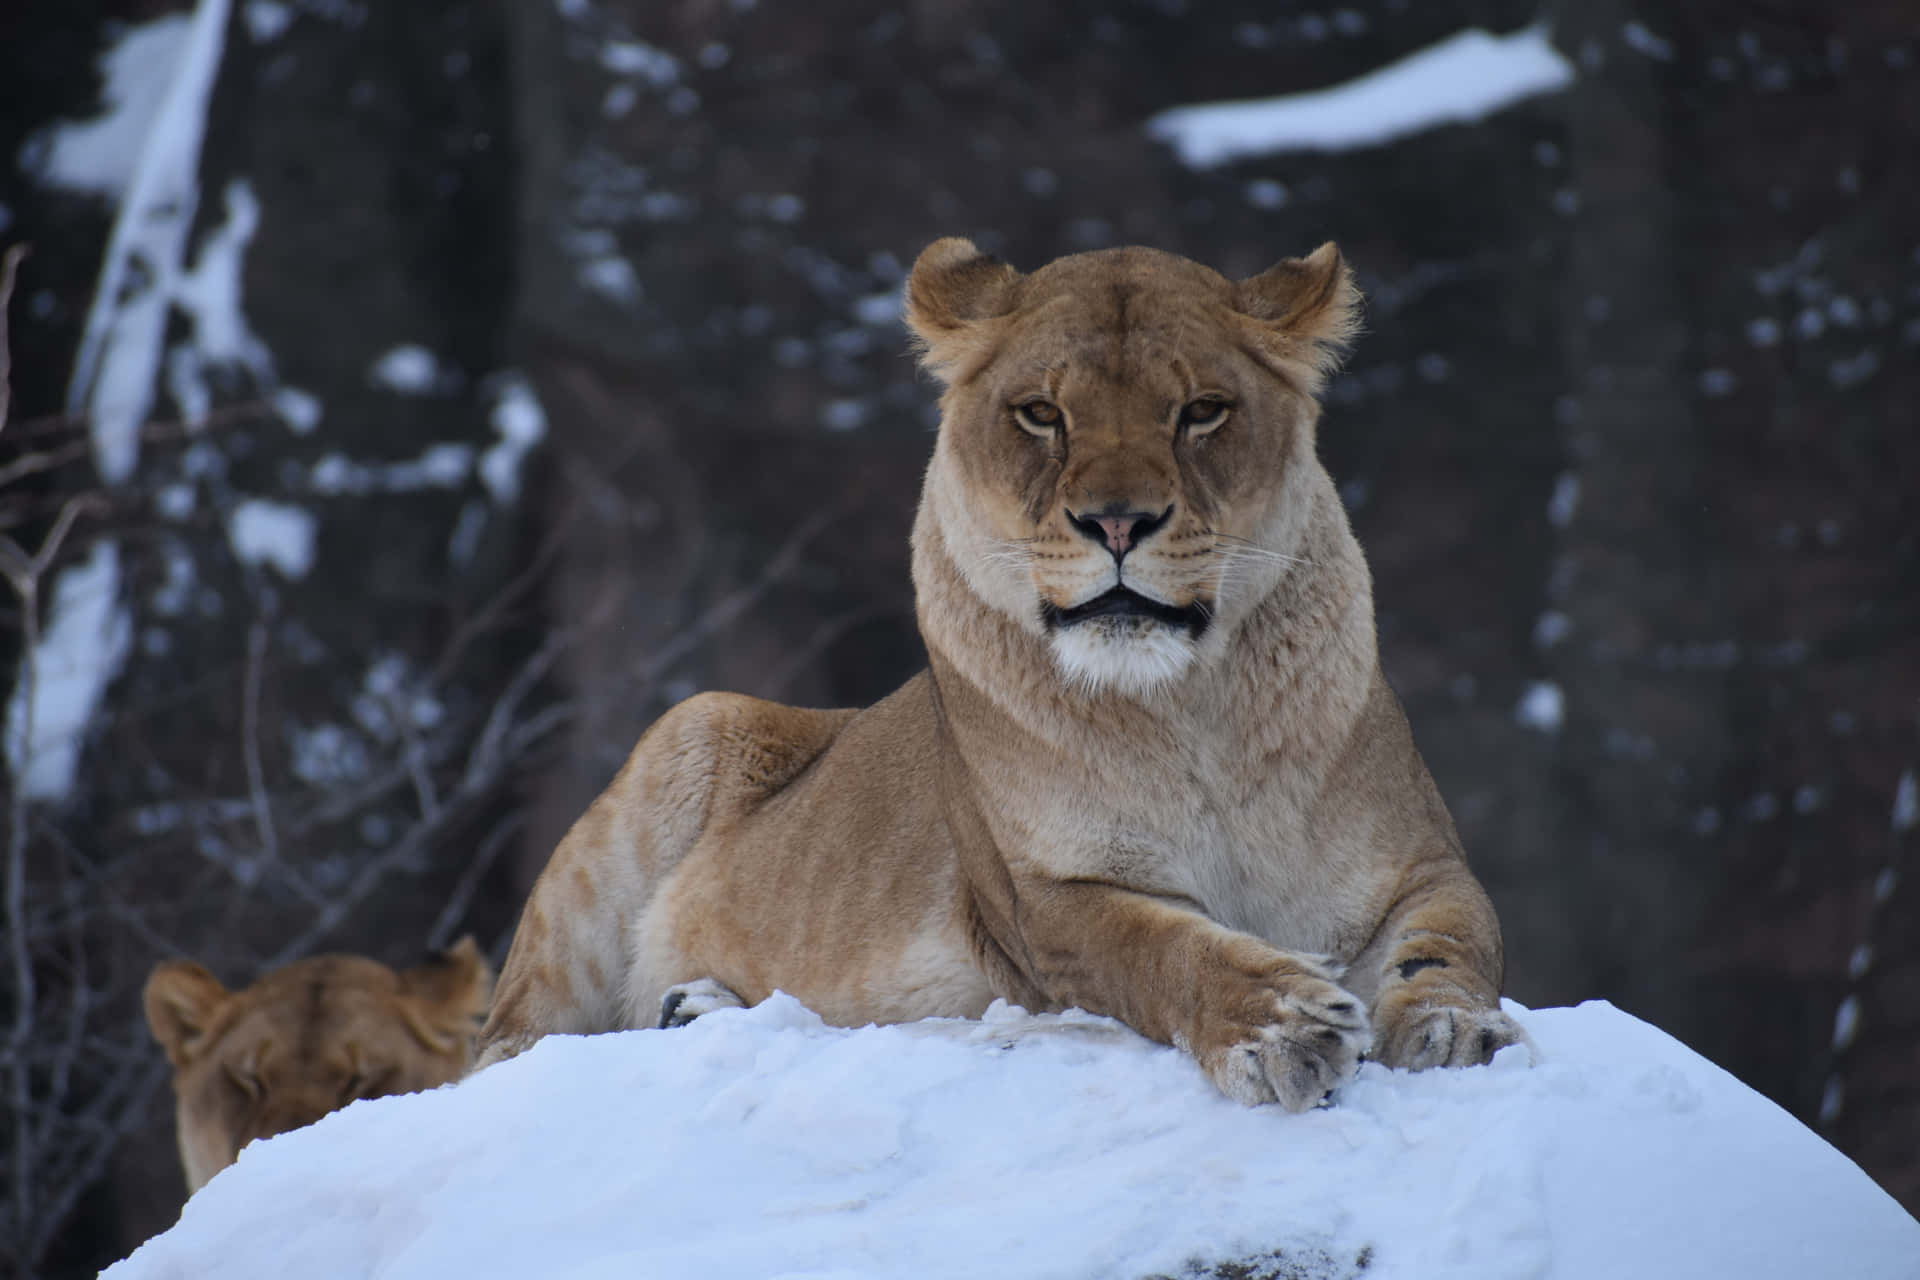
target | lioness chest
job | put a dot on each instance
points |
(1243, 839)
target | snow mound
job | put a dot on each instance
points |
(762, 1143)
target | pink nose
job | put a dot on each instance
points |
(1120, 531)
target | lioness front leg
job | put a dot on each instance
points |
(1265, 1025)
(1440, 969)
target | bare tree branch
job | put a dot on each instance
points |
(476, 869)
(9, 270)
(250, 736)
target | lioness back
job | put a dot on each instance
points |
(762, 846)
(1153, 768)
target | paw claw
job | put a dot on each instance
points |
(1311, 1047)
(1444, 1035)
(685, 1001)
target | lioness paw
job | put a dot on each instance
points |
(685, 1001)
(1444, 1035)
(1310, 1047)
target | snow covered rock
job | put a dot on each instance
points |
(761, 1143)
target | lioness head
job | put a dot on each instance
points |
(307, 1039)
(1127, 445)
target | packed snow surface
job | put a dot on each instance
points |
(1461, 80)
(762, 1143)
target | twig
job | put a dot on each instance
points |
(9, 270)
(78, 1009)
(125, 1100)
(250, 737)
(822, 638)
(44, 460)
(476, 870)
(735, 603)
(499, 745)
(23, 572)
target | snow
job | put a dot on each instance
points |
(327, 755)
(209, 295)
(441, 466)
(760, 1143)
(522, 424)
(1460, 80)
(408, 369)
(1644, 41)
(1542, 707)
(657, 67)
(300, 410)
(78, 655)
(276, 533)
(1564, 501)
(1906, 802)
(613, 278)
(1265, 193)
(1846, 1024)
(880, 309)
(843, 414)
(267, 20)
(119, 353)
(100, 155)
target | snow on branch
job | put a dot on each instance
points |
(1461, 80)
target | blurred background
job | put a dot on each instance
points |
(410, 401)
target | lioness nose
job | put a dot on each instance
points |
(1116, 528)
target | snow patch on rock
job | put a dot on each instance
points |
(61, 683)
(1461, 80)
(522, 424)
(119, 354)
(273, 533)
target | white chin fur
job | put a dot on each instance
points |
(1132, 657)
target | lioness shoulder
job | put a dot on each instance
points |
(306, 1039)
(1152, 769)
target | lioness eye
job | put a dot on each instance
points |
(367, 1082)
(1040, 417)
(1204, 414)
(244, 1080)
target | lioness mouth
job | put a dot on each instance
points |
(1120, 602)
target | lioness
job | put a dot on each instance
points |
(1153, 769)
(306, 1039)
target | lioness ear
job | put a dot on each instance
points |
(182, 999)
(446, 998)
(1309, 306)
(952, 288)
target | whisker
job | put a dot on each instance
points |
(1241, 548)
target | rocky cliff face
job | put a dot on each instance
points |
(1627, 439)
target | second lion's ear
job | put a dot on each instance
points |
(182, 1000)
(952, 289)
(1308, 308)
(458, 980)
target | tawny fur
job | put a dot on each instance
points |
(307, 1039)
(1228, 840)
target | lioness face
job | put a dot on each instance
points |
(1125, 425)
(305, 1040)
